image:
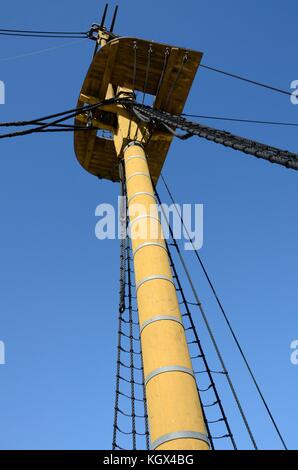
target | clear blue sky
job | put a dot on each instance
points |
(59, 284)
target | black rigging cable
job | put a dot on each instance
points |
(89, 35)
(80, 129)
(46, 34)
(39, 121)
(247, 146)
(211, 285)
(129, 372)
(244, 79)
(122, 216)
(197, 341)
(44, 127)
(132, 370)
(149, 54)
(165, 63)
(211, 335)
(58, 36)
(39, 32)
(44, 118)
(176, 80)
(63, 116)
(249, 121)
(131, 344)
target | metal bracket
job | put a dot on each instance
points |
(163, 370)
(142, 157)
(131, 144)
(145, 216)
(141, 193)
(179, 435)
(154, 278)
(160, 318)
(138, 173)
(143, 245)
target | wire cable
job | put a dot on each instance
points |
(40, 128)
(46, 34)
(80, 129)
(248, 80)
(39, 32)
(176, 80)
(228, 139)
(197, 341)
(71, 112)
(249, 121)
(58, 36)
(65, 116)
(211, 285)
(49, 116)
(165, 63)
(213, 340)
(40, 51)
(129, 373)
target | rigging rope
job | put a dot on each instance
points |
(131, 381)
(122, 238)
(45, 126)
(165, 63)
(127, 342)
(150, 51)
(131, 342)
(176, 80)
(26, 31)
(170, 122)
(45, 36)
(50, 34)
(148, 115)
(212, 337)
(248, 121)
(250, 147)
(63, 116)
(220, 305)
(201, 354)
(247, 80)
(39, 51)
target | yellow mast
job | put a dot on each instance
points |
(174, 410)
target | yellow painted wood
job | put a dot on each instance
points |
(174, 407)
(113, 67)
(172, 397)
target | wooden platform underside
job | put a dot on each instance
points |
(167, 75)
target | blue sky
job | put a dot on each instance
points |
(59, 284)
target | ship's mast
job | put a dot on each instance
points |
(174, 410)
(122, 66)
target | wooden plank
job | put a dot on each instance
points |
(114, 64)
(90, 148)
(106, 79)
(174, 56)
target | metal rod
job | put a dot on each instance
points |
(101, 27)
(104, 16)
(114, 19)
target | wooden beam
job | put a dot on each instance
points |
(166, 81)
(90, 148)
(112, 108)
(106, 79)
